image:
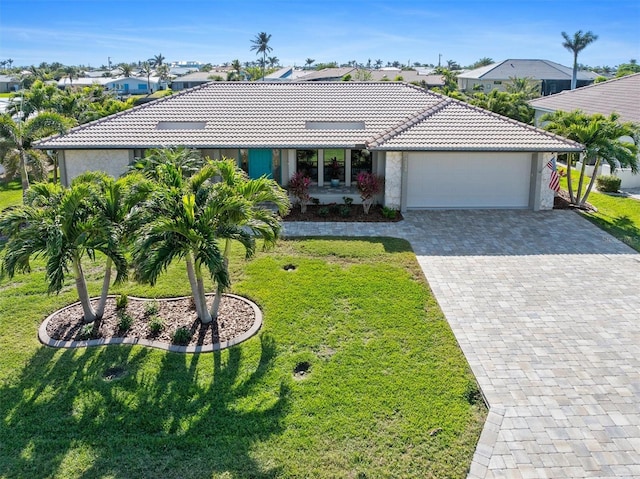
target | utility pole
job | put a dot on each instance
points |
(439, 59)
(109, 62)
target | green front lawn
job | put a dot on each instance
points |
(619, 216)
(389, 392)
(10, 193)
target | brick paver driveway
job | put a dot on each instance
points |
(546, 308)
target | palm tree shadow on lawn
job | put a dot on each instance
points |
(142, 421)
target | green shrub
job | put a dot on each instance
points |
(608, 183)
(125, 321)
(389, 213)
(86, 332)
(323, 212)
(156, 324)
(121, 301)
(345, 211)
(151, 308)
(181, 336)
(334, 208)
(347, 201)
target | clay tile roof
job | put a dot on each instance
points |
(382, 115)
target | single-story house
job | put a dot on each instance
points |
(132, 85)
(550, 76)
(433, 151)
(619, 95)
(9, 83)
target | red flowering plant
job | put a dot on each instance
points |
(369, 185)
(299, 189)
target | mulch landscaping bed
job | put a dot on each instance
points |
(356, 214)
(235, 317)
(561, 202)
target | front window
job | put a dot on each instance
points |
(360, 162)
(307, 162)
(334, 167)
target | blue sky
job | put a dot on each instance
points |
(89, 31)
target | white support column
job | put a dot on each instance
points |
(347, 167)
(320, 167)
(393, 179)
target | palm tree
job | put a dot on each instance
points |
(157, 60)
(71, 73)
(125, 69)
(261, 45)
(526, 86)
(601, 136)
(309, 62)
(113, 200)
(273, 61)
(59, 223)
(18, 138)
(576, 44)
(378, 64)
(147, 70)
(176, 224)
(249, 218)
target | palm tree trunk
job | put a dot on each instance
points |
(206, 316)
(583, 200)
(574, 76)
(581, 180)
(572, 197)
(215, 307)
(194, 285)
(83, 293)
(105, 289)
(24, 175)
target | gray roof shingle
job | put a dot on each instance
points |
(275, 115)
(620, 95)
(534, 69)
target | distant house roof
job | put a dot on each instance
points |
(379, 115)
(285, 74)
(9, 79)
(620, 95)
(327, 74)
(200, 76)
(82, 81)
(535, 69)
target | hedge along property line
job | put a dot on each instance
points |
(45, 339)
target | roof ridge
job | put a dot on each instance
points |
(408, 123)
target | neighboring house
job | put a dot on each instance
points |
(9, 83)
(132, 85)
(551, 77)
(81, 82)
(191, 80)
(433, 151)
(620, 95)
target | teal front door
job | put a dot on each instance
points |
(260, 163)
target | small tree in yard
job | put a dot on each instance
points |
(369, 185)
(299, 188)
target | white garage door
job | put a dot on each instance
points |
(468, 180)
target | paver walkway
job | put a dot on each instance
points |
(546, 308)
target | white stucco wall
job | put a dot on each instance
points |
(393, 180)
(112, 162)
(627, 177)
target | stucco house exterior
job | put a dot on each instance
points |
(619, 95)
(550, 76)
(433, 151)
(132, 85)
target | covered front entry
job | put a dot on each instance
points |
(468, 180)
(260, 163)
